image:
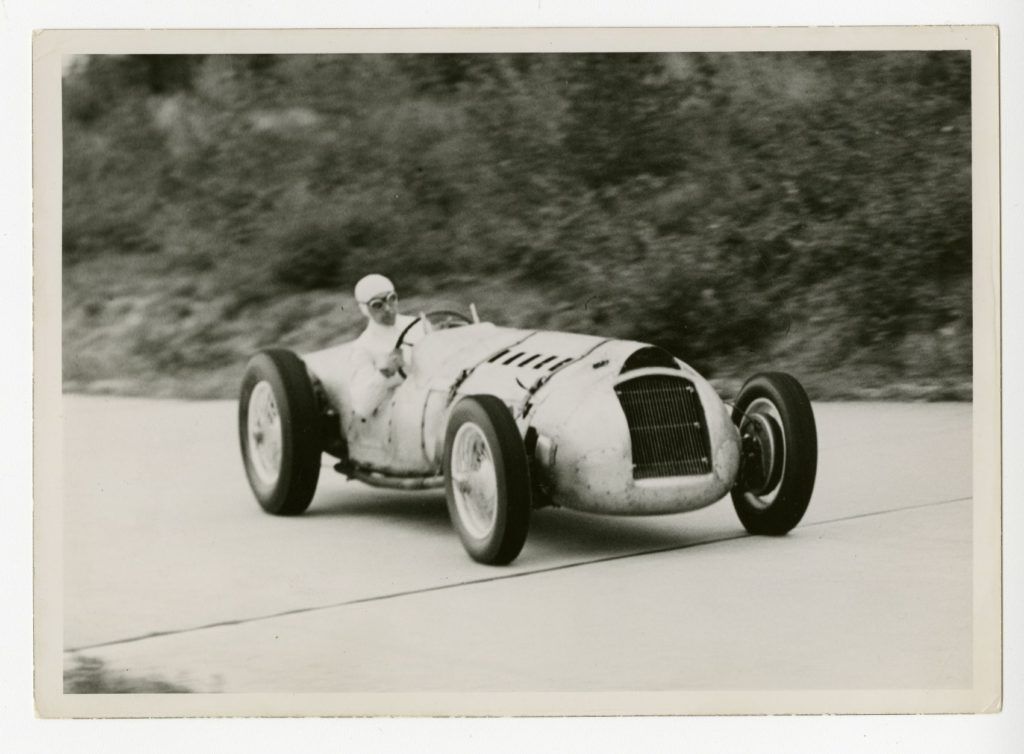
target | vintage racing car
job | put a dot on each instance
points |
(508, 420)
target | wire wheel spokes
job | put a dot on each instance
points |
(474, 480)
(264, 433)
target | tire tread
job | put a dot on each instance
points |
(801, 437)
(510, 534)
(301, 429)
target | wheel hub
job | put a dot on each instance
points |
(761, 446)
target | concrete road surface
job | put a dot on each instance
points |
(171, 569)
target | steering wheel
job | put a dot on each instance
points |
(442, 319)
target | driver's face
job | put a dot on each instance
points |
(383, 309)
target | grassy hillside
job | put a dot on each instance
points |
(801, 211)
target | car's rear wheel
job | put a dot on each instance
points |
(779, 453)
(280, 432)
(487, 480)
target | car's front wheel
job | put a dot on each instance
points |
(779, 453)
(279, 431)
(487, 479)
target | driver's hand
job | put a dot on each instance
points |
(393, 364)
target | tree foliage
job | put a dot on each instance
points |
(718, 204)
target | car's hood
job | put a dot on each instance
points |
(521, 354)
(510, 363)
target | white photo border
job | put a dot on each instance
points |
(986, 693)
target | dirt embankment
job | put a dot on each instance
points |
(166, 332)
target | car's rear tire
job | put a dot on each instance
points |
(487, 480)
(280, 432)
(779, 453)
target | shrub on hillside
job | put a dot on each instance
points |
(89, 236)
(311, 256)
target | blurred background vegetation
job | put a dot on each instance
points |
(803, 211)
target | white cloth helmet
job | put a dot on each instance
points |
(369, 288)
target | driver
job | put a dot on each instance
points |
(375, 359)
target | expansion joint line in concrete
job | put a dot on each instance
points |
(473, 582)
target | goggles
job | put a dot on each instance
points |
(379, 303)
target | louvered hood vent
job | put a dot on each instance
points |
(529, 360)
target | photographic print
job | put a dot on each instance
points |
(518, 372)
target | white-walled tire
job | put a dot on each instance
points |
(487, 480)
(280, 432)
(779, 453)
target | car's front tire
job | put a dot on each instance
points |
(487, 479)
(779, 453)
(279, 431)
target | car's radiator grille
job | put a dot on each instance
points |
(666, 426)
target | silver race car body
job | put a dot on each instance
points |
(615, 426)
(508, 420)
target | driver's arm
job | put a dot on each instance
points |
(370, 384)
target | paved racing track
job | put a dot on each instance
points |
(171, 569)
